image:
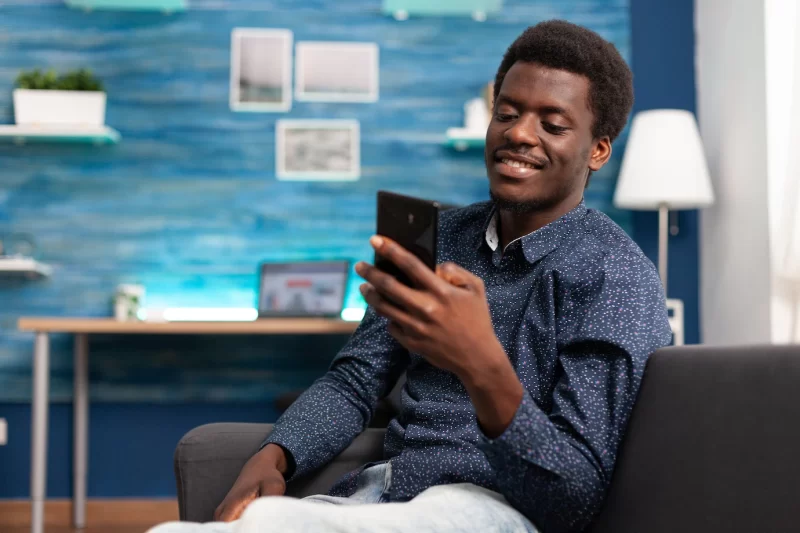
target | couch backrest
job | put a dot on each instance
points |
(713, 445)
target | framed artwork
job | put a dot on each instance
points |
(318, 150)
(336, 72)
(261, 70)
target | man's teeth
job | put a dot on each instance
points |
(516, 164)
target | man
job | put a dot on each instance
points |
(524, 351)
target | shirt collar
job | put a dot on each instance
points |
(541, 242)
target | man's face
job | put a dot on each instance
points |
(539, 145)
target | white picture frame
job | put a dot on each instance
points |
(328, 71)
(317, 150)
(261, 70)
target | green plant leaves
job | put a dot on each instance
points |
(77, 80)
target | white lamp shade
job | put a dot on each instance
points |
(664, 163)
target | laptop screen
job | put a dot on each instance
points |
(302, 289)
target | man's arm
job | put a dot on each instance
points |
(324, 419)
(556, 466)
(339, 405)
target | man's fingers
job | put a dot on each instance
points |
(382, 306)
(233, 509)
(412, 300)
(420, 274)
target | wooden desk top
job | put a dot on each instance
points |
(272, 326)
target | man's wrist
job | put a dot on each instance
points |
(276, 456)
(485, 369)
(496, 393)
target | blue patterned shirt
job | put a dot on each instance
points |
(578, 309)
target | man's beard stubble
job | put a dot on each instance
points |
(517, 207)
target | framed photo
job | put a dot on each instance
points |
(261, 70)
(336, 72)
(318, 150)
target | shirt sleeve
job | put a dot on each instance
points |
(337, 407)
(554, 461)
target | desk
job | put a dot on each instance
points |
(82, 328)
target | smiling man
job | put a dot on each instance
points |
(524, 351)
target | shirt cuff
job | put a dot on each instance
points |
(526, 438)
(291, 463)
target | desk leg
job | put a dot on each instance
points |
(80, 429)
(39, 407)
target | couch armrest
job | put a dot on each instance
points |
(208, 460)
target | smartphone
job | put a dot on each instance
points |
(412, 223)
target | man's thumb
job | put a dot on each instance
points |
(453, 274)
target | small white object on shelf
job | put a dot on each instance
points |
(473, 134)
(35, 107)
(59, 134)
(23, 266)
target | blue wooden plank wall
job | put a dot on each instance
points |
(188, 203)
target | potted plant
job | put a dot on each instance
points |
(45, 99)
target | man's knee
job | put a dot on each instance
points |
(281, 513)
(464, 493)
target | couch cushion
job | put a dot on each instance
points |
(713, 444)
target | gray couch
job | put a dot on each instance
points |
(713, 445)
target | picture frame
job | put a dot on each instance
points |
(261, 70)
(328, 71)
(317, 150)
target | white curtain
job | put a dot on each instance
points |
(783, 94)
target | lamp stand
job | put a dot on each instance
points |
(663, 239)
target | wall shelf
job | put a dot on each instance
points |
(477, 9)
(53, 134)
(16, 266)
(462, 139)
(167, 6)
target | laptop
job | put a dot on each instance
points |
(305, 289)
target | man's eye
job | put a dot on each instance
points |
(554, 129)
(504, 117)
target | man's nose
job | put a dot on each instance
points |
(522, 132)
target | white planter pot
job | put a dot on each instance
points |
(48, 108)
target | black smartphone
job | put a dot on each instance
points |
(412, 223)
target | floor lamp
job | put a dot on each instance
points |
(664, 168)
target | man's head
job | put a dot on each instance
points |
(562, 95)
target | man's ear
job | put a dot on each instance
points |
(601, 153)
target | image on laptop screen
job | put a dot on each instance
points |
(302, 289)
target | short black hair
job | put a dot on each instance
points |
(562, 45)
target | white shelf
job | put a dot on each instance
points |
(463, 139)
(24, 266)
(167, 6)
(59, 134)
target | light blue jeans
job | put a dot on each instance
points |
(458, 508)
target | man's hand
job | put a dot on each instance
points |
(262, 475)
(445, 318)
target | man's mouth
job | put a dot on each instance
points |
(513, 165)
(518, 164)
